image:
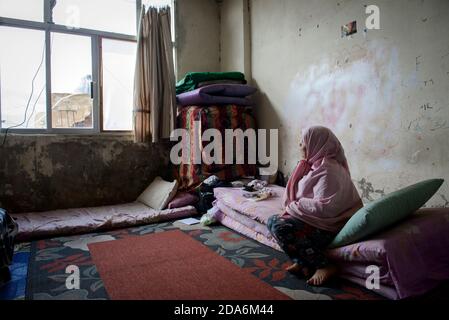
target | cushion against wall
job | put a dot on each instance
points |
(158, 194)
(386, 211)
(183, 199)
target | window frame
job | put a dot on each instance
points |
(96, 46)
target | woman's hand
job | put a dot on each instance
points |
(284, 214)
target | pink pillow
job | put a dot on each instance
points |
(183, 199)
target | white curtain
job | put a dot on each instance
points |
(154, 83)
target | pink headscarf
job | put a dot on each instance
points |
(320, 190)
(320, 143)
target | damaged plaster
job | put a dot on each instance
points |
(367, 191)
(383, 92)
(55, 172)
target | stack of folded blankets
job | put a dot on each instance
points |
(216, 100)
(214, 88)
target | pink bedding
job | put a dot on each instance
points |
(259, 211)
(413, 257)
(236, 225)
(245, 225)
(247, 216)
(82, 220)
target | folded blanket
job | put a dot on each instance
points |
(259, 211)
(192, 79)
(231, 116)
(217, 94)
(205, 100)
(248, 221)
(237, 225)
(223, 81)
(227, 90)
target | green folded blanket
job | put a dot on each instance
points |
(192, 79)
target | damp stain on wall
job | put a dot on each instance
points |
(391, 85)
(55, 172)
(361, 92)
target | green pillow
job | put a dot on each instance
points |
(386, 211)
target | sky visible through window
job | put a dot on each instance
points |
(23, 9)
(20, 57)
(117, 16)
(157, 3)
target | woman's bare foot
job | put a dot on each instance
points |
(297, 269)
(294, 268)
(322, 275)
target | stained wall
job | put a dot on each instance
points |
(385, 93)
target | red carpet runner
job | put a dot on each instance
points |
(171, 265)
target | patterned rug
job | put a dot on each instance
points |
(48, 259)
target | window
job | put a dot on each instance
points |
(67, 66)
(71, 81)
(22, 78)
(15, 9)
(118, 16)
(118, 59)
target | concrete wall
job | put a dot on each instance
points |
(55, 172)
(385, 93)
(235, 37)
(197, 36)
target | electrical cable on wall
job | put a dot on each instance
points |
(34, 106)
(29, 100)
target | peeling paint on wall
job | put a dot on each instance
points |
(367, 191)
(444, 204)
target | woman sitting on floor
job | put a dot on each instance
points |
(319, 198)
